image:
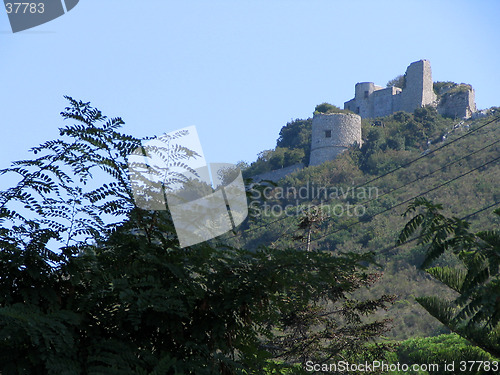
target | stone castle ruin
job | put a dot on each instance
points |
(456, 101)
(372, 101)
(333, 133)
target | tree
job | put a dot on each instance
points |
(445, 349)
(93, 284)
(284, 157)
(329, 108)
(295, 134)
(278, 158)
(398, 81)
(475, 313)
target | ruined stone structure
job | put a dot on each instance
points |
(371, 100)
(457, 102)
(278, 174)
(332, 134)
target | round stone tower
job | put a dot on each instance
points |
(332, 134)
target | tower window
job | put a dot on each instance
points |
(366, 94)
(328, 134)
(357, 110)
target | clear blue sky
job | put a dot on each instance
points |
(238, 70)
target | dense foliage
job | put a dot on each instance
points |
(293, 146)
(92, 284)
(475, 312)
(278, 158)
(442, 350)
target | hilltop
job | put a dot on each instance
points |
(332, 130)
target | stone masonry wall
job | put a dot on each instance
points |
(383, 103)
(332, 134)
(419, 86)
(458, 105)
(374, 101)
(278, 174)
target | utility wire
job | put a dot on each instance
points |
(431, 173)
(431, 152)
(404, 185)
(407, 200)
(387, 249)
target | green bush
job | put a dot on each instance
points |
(399, 81)
(446, 348)
(327, 108)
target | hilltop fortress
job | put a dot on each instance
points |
(372, 101)
(333, 133)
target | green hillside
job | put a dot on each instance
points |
(364, 192)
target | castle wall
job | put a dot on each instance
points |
(419, 86)
(363, 99)
(397, 101)
(361, 88)
(383, 101)
(458, 105)
(371, 100)
(351, 105)
(332, 134)
(278, 174)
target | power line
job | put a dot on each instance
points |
(387, 249)
(388, 173)
(434, 171)
(287, 231)
(431, 152)
(408, 200)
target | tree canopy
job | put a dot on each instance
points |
(475, 312)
